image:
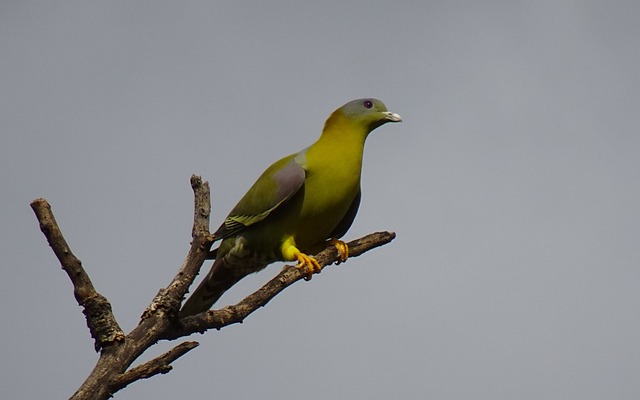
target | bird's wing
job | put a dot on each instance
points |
(274, 187)
(344, 225)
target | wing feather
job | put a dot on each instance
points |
(275, 186)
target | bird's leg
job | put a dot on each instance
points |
(343, 249)
(290, 252)
(309, 262)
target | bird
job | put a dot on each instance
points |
(299, 206)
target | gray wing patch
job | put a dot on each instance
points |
(290, 178)
(270, 191)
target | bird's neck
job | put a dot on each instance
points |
(340, 149)
(342, 136)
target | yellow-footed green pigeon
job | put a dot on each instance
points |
(297, 207)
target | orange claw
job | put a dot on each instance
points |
(343, 249)
(310, 262)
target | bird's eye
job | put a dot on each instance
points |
(368, 103)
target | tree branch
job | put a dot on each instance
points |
(96, 308)
(160, 319)
(170, 298)
(217, 319)
(159, 365)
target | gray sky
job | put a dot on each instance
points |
(513, 185)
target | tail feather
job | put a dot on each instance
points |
(219, 279)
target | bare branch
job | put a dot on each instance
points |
(202, 206)
(217, 319)
(170, 298)
(159, 321)
(97, 309)
(159, 365)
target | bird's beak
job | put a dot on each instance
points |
(392, 117)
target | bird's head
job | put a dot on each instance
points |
(367, 114)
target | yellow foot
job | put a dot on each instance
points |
(310, 262)
(343, 250)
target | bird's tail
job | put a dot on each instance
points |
(219, 279)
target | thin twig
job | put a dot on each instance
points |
(159, 365)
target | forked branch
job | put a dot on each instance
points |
(159, 321)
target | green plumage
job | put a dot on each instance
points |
(297, 205)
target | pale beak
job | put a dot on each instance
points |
(392, 117)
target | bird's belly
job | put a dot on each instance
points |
(322, 210)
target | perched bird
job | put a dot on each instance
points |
(297, 207)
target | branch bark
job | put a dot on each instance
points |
(160, 320)
(159, 365)
(217, 319)
(96, 308)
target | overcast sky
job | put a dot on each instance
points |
(513, 185)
